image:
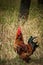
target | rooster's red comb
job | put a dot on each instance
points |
(19, 30)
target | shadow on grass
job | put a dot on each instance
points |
(40, 1)
(8, 4)
(18, 61)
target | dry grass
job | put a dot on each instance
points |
(8, 26)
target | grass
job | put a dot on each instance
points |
(18, 61)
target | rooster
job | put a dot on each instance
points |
(22, 49)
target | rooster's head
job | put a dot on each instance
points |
(19, 33)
